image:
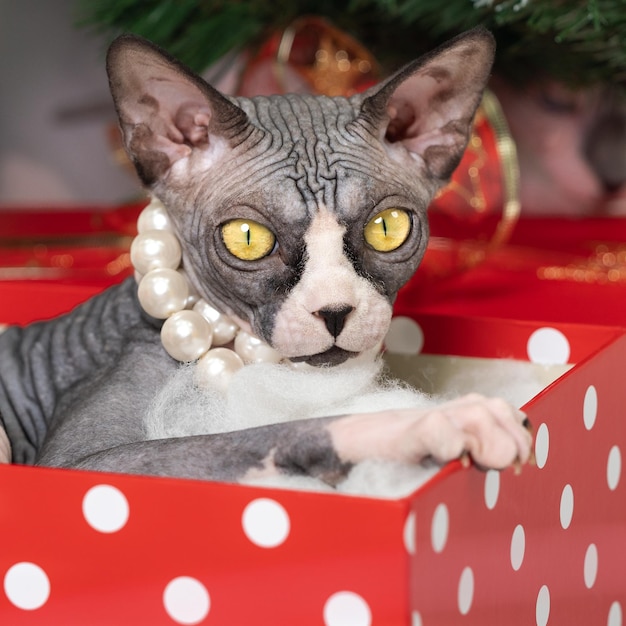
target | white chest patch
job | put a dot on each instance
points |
(329, 283)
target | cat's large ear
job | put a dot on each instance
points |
(428, 106)
(165, 110)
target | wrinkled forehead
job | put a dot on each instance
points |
(309, 125)
(308, 153)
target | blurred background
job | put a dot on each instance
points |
(55, 111)
(533, 215)
(559, 79)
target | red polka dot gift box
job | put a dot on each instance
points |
(544, 546)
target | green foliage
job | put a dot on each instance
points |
(578, 42)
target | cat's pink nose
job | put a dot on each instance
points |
(335, 318)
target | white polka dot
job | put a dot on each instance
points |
(548, 346)
(409, 533)
(590, 407)
(466, 591)
(27, 586)
(542, 445)
(105, 508)
(404, 336)
(186, 600)
(590, 569)
(416, 619)
(492, 488)
(567, 506)
(542, 608)
(266, 523)
(614, 468)
(518, 547)
(615, 615)
(439, 528)
(346, 608)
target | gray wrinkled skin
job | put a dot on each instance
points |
(47, 368)
(87, 378)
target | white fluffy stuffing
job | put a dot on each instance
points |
(268, 394)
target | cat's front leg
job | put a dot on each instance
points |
(300, 448)
(490, 430)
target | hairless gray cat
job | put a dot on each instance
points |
(314, 172)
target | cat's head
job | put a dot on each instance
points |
(301, 215)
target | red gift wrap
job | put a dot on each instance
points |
(481, 548)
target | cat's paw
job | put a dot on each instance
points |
(5, 447)
(489, 430)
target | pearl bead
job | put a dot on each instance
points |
(215, 369)
(162, 292)
(154, 249)
(224, 329)
(252, 350)
(154, 217)
(186, 335)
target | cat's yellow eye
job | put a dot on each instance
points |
(247, 240)
(388, 230)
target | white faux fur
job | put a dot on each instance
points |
(269, 394)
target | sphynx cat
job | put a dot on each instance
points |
(315, 171)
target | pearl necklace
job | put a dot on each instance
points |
(192, 327)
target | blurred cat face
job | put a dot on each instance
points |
(571, 148)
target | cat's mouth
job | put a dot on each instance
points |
(332, 356)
